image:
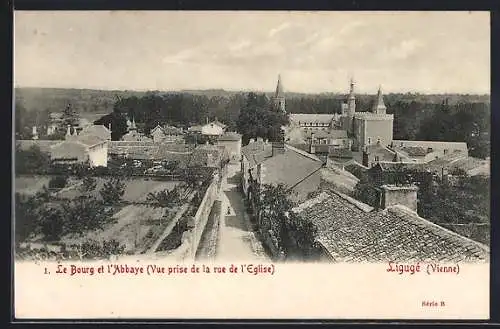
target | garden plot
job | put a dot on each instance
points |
(136, 190)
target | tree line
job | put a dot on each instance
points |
(416, 117)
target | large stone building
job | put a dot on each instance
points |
(367, 133)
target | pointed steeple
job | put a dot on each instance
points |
(379, 105)
(132, 125)
(279, 96)
(279, 88)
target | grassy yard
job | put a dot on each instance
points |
(30, 184)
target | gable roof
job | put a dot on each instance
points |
(157, 129)
(96, 130)
(230, 136)
(352, 232)
(256, 152)
(90, 140)
(289, 168)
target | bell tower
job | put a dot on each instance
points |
(279, 96)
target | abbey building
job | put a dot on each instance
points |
(350, 128)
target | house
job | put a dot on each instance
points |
(135, 136)
(278, 163)
(167, 134)
(374, 153)
(100, 131)
(157, 134)
(424, 151)
(232, 142)
(214, 128)
(80, 150)
(351, 231)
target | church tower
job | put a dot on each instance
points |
(379, 105)
(351, 101)
(348, 110)
(279, 96)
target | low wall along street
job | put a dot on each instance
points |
(202, 214)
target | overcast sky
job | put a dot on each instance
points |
(428, 52)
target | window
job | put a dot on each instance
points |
(369, 140)
(376, 158)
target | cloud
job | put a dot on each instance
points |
(239, 46)
(180, 57)
(404, 49)
(278, 29)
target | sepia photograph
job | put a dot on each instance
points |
(250, 150)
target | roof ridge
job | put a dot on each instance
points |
(415, 216)
(310, 202)
(303, 153)
(360, 205)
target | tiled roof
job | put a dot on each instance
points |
(352, 234)
(435, 145)
(256, 152)
(288, 168)
(171, 130)
(96, 130)
(415, 150)
(89, 140)
(343, 153)
(230, 136)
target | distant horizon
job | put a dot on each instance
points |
(255, 91)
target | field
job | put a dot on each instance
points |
(30, 184)
(136, 190)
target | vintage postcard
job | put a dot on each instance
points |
(251, 165)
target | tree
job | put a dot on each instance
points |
(295, 236)
(26, 217)
(85, 214)
(164, 198)
(31, 161)
(117, 121)
(70, 116)
(112, 191)
(258, 118)
(89, 184)
(58, 182)
(51, 222)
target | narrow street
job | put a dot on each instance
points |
(237, 242)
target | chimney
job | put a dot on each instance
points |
(35, 133)
(68, 131)
(366, 155)
(391, 195)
